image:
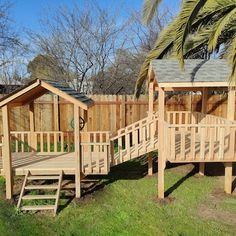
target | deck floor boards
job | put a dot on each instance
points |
(23, 161)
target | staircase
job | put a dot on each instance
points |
(135, 140)
(35, 188)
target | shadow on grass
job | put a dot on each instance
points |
(180, 181)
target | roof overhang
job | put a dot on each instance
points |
(196, 75)
(35, 89)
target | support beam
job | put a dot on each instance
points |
(150, 164)
(230, 116)
(32, 127)
(204, 111)
(204, 100)
(77, 152)
(151, 98)
(55, 113)
(228, 177)
(231, 104)
(202, 168)
(7, 160)
(161, 157)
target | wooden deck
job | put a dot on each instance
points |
(41, 164)
(49, 164)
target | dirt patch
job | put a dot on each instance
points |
(212, 208)
(163, 202)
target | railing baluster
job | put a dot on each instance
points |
(55, 142)
(22, 142)
(193, 143)
(202, 142)
(173, 146)
(221, 143)
(97, 154)
(211, 142)
(17, 143)
(41, 142)
(182, 144)
(48, 142)
(62, 142)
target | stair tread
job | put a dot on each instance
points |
(43, 186)
(38, 207)
(36, 197)
(46, 177)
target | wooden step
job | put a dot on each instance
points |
(31, 187)
(37, 207)
(38, 197)
(43, 177)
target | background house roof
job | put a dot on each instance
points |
(195, 70)
(37, 88)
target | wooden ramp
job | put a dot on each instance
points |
(135, 140)
(40, 192)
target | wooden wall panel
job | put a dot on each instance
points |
(109, 113)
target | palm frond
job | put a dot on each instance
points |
(149, 10)
(189, 12)
(162, 47)
(218, 29)
(232, 60)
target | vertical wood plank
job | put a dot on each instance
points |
(77, 152)
(7, 159)
(161, 157)
(33, 143)
(228, 177)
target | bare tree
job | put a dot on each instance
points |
(12, 50)
(82, 42)
(120, 77)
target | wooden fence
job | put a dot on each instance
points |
(109, 113)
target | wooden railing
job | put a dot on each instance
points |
(54, 141)
(129, 139)
(42, 141)
(20, 141)
(186, 117)
(200, 142)
(95, 152)
(179, 117)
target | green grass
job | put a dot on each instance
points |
(125, 205)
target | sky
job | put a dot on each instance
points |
(27, 13)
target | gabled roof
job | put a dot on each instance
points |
(213, 72)
(37, 88)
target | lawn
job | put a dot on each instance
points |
(124, 203)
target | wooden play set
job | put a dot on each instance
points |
(178, 136)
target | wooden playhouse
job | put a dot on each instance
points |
(178, 136)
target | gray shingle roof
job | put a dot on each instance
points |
(66, 89)
(169, 71)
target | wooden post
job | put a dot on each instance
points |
(204, 100)
(32, 127)
(202, 168)
(150, 164)
(161, 158)
(7, 161)
(151, 98)
(230, 116)
(231, 104)
(228, 177)
(55, 113)
(204, 111)
(77, 152)
(150, 113)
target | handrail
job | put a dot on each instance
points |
(199, 125)
(132, 127)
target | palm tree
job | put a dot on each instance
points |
(202, 27)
